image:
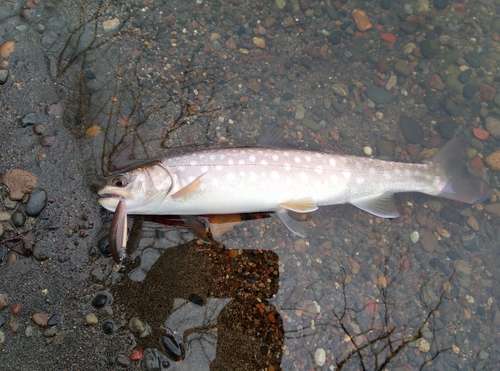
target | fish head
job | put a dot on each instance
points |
(142, 189)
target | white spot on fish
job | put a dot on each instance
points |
(276, 157)
(212, 157)
(230, 177)
(358, 165)
(287, 167)
(263, 174)
(333, 163)
(297, 159)
(253, 176)
(252, 158)
(219, 167)
(407, 172)
(241, 162)
(242, 174)
(360, 180)
(308, 158)
(319, 169)
(222, 157)
(303, 176)
(230, 161)
(418, 173)
(286, 154)
(387, 176)
(263, 162)
(193, 163)
(347, 174)
(372, 171)
(275, 175)
(215, 182)
(334, 179)
(201, 155)
(288, 181)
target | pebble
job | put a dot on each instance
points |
(384, 148)
(2, 337)
(414, 236)
(50, 332)
(140, 328)
(39, 128)
(469, 90)
(123, 361)
(111, 24)
(136, 355)
(493, 209)
(196, 299)
(89, 75)
(54, 319)
(487, 92)
(402, 67)
(470, 240)
(18, 218)
(393, 80)
(368, 151)
(19, 182)
(429, 48)
(28, 331)
(108, 327)
(47, 140)
(37, 201)
(2, 320)
(2, 230)
(463, 273)
(424, 346)
(411, 129)
(361, 20)
(28, 120)
(173, 348)
(7, 48)
(446, 129)
(15, 309)
(103, 246)
(259, 42)
(493, 160)
(320, 357)
(436, 82)
(492, 124)
(42, 250)
(40, 319)
(101, 299)
(429, 241)
(4, 76)
(377, 94)
(464, 76)
(91, 319)
(340, 89)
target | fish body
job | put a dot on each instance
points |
(246, 180)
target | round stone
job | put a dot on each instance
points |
(103, 246)
(320, 357)
(28, 120)
(91, 319)
(414, 236)
(37, 201)
(411, 129)
(108, 327)
(42, 250)
(18, 218)
(100, 300)
(54, 319)
(368, 151)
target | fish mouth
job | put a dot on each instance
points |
(110, 198)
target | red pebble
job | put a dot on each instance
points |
(477, 163)
(389, 37)
(459, 7)
(136, 355)
(371, 307)
(382, 67)
(15, 309)
(480, 133)
(406, 263)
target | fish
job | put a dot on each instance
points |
(280, 180)
(118, 235)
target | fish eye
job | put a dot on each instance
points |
(119, 181)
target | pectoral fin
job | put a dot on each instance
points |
(186, 191)
(293, 225)
(301, 205)
(381, 205)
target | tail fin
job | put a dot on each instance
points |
(461, 185)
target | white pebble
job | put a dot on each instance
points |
(320, 357)
(368, 151)
(414, 236)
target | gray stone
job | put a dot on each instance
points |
(493, 126)
(37, 201)
(42, 250)
(377, 94)
(4, 75)
(411, 129)
(28, 120)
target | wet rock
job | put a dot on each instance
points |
(473, 59)
(469, 90)
(103, 246)
(91, 319)
(463, 271)
(4, 301)
(319, 357)
(110, 24)
(450, 107)
(89, 75)
(2, 230)
(154, 360)
(18, 218)
(377, 94)
(40, 319)
(386, 4)
(37, 201)
(7, 48)
(446, 129)
(2, 337)
(441, 4)
(487, 92)
(47, 140)
(450, 215)
(493, 160)
(106, 311)
(361, 19)
(100, 300)
(470, 240)
(4, 76)
(493, 126)
(196, 299)
(335, 38)
(306, 62)
(39, 128)
(173, 348)
(108, 327)
(27, 14)
(464, 76)
(402, 68)
(431, 103)
(122, 361)
(340, 89)
(19, 182)
(13, 325)
(28, 120)
(2, 321)
(493, 208)
(50, 332)
(42, 250)
(429, 241)
(412, 131)
(28, 331)
(54, 319)
(429, 48)
(139, 328)
(288, 96)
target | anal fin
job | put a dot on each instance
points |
(381, 205)
(293, 225)
(186, 191)
(301, 205)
